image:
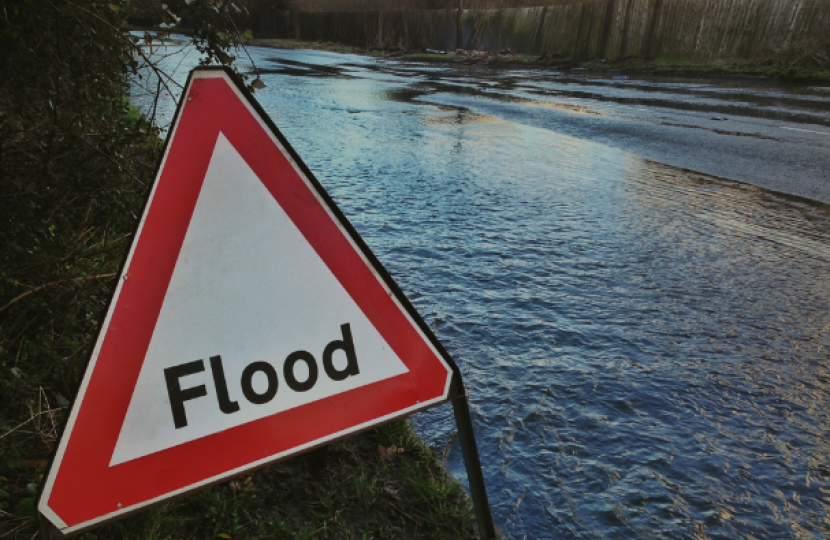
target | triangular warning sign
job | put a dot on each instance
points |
(250, 322)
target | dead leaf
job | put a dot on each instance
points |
(392, 492)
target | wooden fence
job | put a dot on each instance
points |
(683, 29)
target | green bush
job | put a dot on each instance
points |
(76, 163)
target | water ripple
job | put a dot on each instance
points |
(646, 348)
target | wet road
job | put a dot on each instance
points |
(646, 347)
(755, 132)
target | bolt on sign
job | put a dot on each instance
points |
(249, 323)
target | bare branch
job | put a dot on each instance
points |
(131, 43)
(52, 284)
(35, 416)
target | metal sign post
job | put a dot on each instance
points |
(469, 449)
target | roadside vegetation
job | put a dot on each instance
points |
(76, 163)
(383, 484)
(807, 61)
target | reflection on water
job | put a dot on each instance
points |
(646, 348)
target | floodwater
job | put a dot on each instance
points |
(646, 348)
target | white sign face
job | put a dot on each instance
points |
(223, 301)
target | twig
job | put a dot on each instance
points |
(29, 420)
(132, 44)
(47, 285)
(244, 48)
(26, 521)
(122, 167)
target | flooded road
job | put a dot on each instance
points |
(760, 133)
(645, 347)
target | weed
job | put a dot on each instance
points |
(358, 495)
(398, 434)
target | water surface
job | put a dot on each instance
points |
(645, 348)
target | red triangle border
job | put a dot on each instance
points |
(82, 490)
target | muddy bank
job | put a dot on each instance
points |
(793, 66)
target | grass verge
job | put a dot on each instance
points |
(771, 67)
(383, 484)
